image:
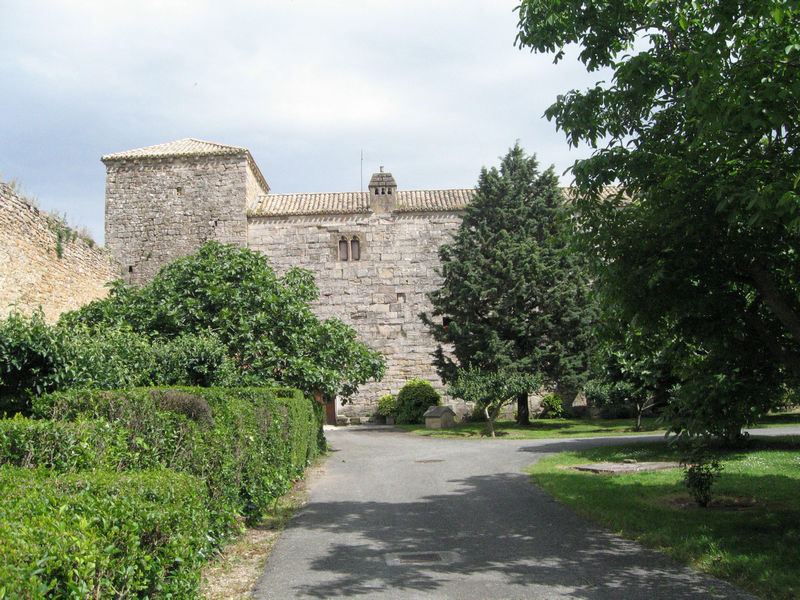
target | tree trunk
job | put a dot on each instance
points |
(489, 420)
(523, 412)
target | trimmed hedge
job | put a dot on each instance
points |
(124, 494)
(100, 534)
(248, 444)
(61, 445)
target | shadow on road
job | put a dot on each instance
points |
(497, 536)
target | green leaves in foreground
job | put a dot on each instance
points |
(696, 116)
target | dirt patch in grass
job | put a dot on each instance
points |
(232, 575)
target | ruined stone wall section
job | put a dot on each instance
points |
(31, 272)
(160, 209)
(380, 295)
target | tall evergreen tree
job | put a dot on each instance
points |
(513, 297)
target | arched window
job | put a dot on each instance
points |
(355, 249)
(343, 249)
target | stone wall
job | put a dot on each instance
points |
(31, 272)
(160, 209)
(380, 295)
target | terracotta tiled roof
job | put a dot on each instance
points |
(433, 200)
(343, 203)
(335, 203)
(184, 147)
(189, 147)
(608, 192)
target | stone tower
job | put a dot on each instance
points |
(165, 201)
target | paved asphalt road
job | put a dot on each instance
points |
(400, 516)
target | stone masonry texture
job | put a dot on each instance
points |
(31, 272)
(160, 209)
(380, 295)
(164, 201)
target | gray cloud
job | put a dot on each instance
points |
(432, 90)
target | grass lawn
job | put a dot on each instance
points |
(749, 535)
(544, 428)
(569, 428)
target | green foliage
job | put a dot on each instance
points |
(195, 360)
(552, 407)
(698, 121)
(699, 477)
(36, 358)
(490, 391)
(58, 445)
(32, 360)
(631, 374)
(101, 534)
(126, 493)
(264, 322)
(414, 398)
(387, 406)
(513, 297)
(246, 444)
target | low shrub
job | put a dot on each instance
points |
(387, 406)
(414, 398)
(246, 444)
(60, 445)
(552, 407)
(101, 534)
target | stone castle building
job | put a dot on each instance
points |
(374, 253)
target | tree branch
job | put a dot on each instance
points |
(791, 360)
(773, 299)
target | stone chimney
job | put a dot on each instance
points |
(382, 192)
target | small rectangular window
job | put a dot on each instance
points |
(355, 249)
(342, 249)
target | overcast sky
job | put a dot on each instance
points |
(433, 90)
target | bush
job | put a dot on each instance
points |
(101, 534)
(264, 322)
(195, 360)
(415, 397)
(701, 467)
(32, 359)
(552, 407)
(246, 444)
(387, 406)
(36, 358)
(59, 445)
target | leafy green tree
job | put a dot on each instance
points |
(490, 391)
(699, 121)
(629, 375)
(265, 322)
(513, 298)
